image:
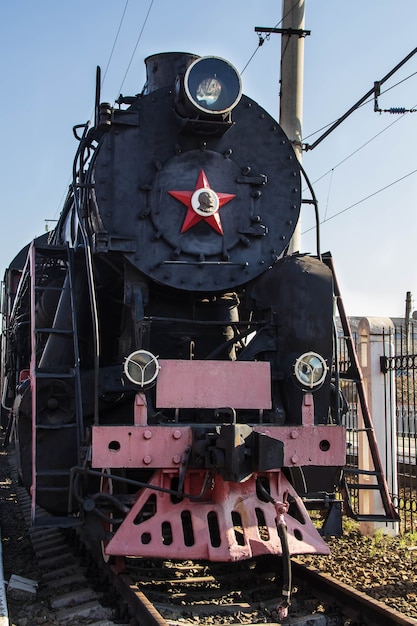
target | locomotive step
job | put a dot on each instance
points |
(375, 518)
(55, 426)
(56, 331)
(55, 374)
(51, 250)
(56, 522)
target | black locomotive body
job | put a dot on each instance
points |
(168, 367)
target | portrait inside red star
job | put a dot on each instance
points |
(203, 203)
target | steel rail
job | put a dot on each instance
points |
(376, 612)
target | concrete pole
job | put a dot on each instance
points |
(292, 76)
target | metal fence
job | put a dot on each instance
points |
(399, 369)
(403, 385)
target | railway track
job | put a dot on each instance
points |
(247, 594)
(355, 604)
(163, 593)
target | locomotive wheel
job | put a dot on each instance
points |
(107, 486)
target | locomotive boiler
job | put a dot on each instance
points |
(168, 367)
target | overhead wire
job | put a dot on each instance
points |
(331, 170)
(115, 42)
(105, 73)
(135, 48)
(328, 193)
(346, 209)
(267, 36)
(360, 106)
(375, 193)
(260, 43)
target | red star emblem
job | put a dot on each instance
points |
(203, 204)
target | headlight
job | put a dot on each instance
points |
(211, 86)
(141, 367)
(310, 370)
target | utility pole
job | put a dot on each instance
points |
(292, 75)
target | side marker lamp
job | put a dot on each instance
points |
(141, 368)
(310, 370)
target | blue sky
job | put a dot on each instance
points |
(363, 173)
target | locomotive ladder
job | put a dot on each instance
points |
(372, 480)
(45, 260)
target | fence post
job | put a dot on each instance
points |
(376, 338)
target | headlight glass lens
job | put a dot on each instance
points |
(310, 370)
(208, 92)
(212, 85)
(141, 367)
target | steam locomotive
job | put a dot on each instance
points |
(168, 366)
